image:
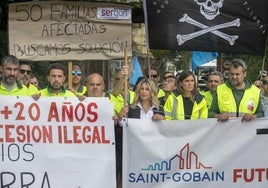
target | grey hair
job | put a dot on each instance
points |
(239, 63)
(216, 73)
(10, 59)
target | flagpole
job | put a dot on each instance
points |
(70, 76)
(263, 59)
(148, 64)
(125, 79)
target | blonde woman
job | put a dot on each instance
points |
(188, 103)
(145, 105)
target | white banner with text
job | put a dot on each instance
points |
(66, 30)
(56, 142)
(195, 153)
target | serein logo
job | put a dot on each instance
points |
(182, 167)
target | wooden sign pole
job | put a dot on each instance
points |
(125, 78)
(70, 76)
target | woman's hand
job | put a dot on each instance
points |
(157, 117)
(123, 112)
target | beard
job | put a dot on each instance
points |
(213, 88)
(9, 80)
(56, 86)
(236, 83)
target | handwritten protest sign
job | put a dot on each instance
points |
(59, 30)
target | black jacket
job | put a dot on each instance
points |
(135, 112)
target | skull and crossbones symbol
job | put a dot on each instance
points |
(209, 9)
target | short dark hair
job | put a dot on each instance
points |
(26, 63)
(184, 74)
(167, 72)
(76, 64)
(57, 66)
(152, 68)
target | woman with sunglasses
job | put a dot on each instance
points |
(187, 103)
(145, 105)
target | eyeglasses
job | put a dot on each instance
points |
(22, 71)
(153, 75)
(265, 81)
(77, 73)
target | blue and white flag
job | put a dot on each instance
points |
(200, 58)
(137, 72)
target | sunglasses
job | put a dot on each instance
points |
(22, 71)
(77, 73)
(153, 75)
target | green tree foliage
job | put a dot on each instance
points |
(40, 70)
(255, 64)
(3, 43)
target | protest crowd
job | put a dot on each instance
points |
(57, 32)
(177, 98)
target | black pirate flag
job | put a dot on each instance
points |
(207, 25)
